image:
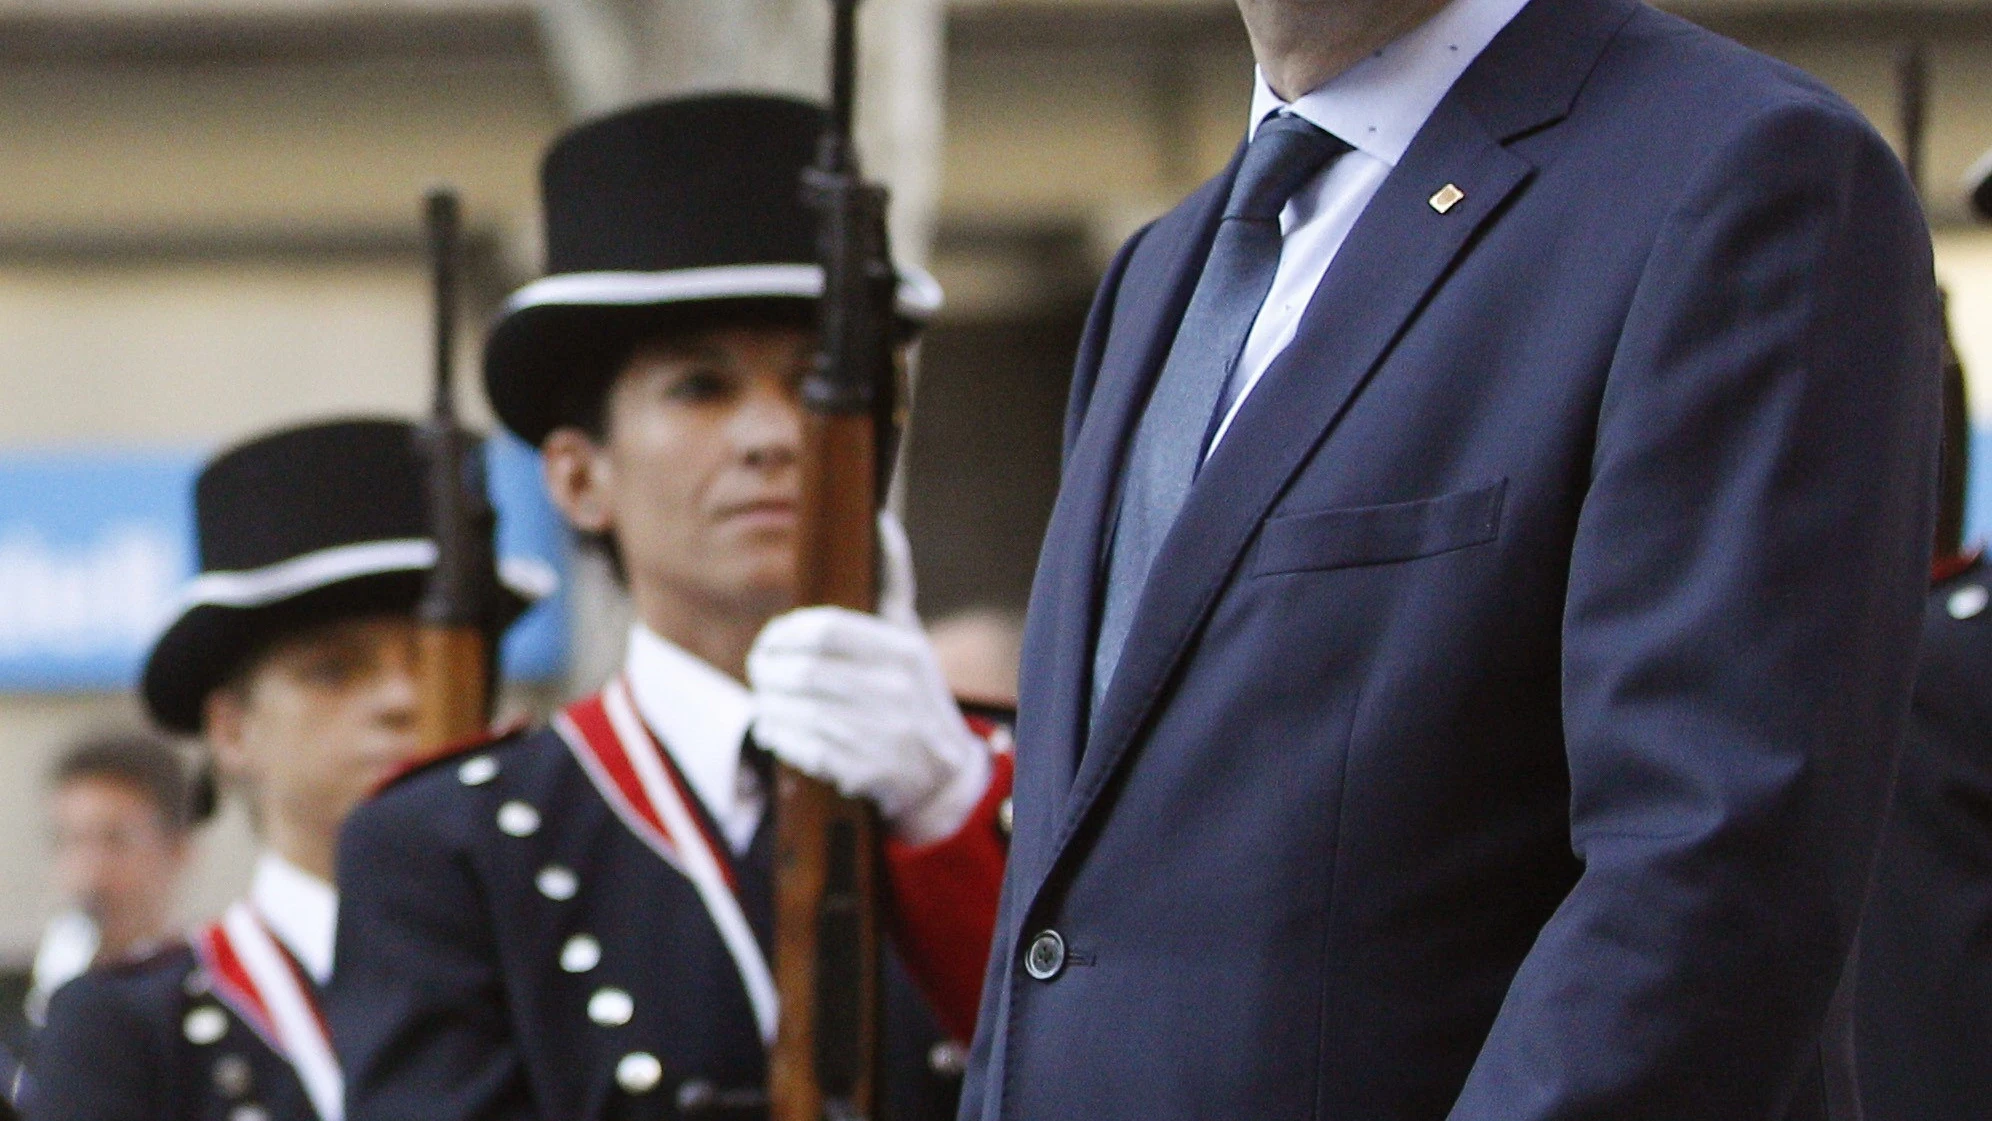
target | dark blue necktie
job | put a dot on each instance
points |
(1169, 442)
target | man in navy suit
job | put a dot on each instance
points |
(1476, 626)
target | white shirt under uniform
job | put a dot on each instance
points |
(1377, 107)
(701, 716)
(300, 909)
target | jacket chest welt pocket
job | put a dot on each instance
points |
(1362, 535)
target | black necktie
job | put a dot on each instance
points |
(1181, 413)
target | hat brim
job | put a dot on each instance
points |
(208, 641)
(561, 336)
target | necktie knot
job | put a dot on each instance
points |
(1284, 154)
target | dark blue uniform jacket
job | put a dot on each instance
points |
(561, 972)
(149, 1041)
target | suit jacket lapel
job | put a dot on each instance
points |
(1398, 252)
(1157, 284)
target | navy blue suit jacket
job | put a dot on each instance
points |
(1504, 731)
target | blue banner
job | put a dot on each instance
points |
(95, 544)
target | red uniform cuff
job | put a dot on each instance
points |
(945, 895)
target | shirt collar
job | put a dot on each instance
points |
(700, 714)
(1378, 105)
(300, 909)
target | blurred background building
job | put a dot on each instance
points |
(208, 226)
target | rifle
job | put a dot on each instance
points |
(455, 643)
(829, 878)
(1912, 78)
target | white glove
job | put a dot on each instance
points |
(859, 702)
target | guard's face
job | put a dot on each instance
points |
(698, 473)
(115, 856)
(319, 720)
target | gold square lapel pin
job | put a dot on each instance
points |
(1447, 197)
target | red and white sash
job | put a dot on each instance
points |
(629, 767)
(257, 979)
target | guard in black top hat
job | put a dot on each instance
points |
(292, 654)
(669, 213)
(573, 923)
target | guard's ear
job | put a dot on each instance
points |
(579, 478)
(225, 727)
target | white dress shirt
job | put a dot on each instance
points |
(701, 716)
(300, 909)
(1376, 106)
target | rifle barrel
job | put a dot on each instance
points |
(1912, 79)
(454, 647)
(443, 219)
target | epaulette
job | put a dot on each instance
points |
(449, 753)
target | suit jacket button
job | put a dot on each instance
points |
(947, 1059)
(1046, 957)
(639, 1072)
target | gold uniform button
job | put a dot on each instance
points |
(1006, 816)
(232, 1076)
(516, 819)
(477, 770)
(580, 954)
(1968, 602)
(611, 1008)
(558, 882)
(205, 1025)
(639, 1072)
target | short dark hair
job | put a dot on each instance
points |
(145, 762)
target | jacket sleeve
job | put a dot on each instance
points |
(417, 1006)
(1740, 632)
(99, 1058)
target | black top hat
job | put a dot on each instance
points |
(300, 527)
(695, 201)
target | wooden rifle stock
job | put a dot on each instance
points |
(829, 876)
(454, 648)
